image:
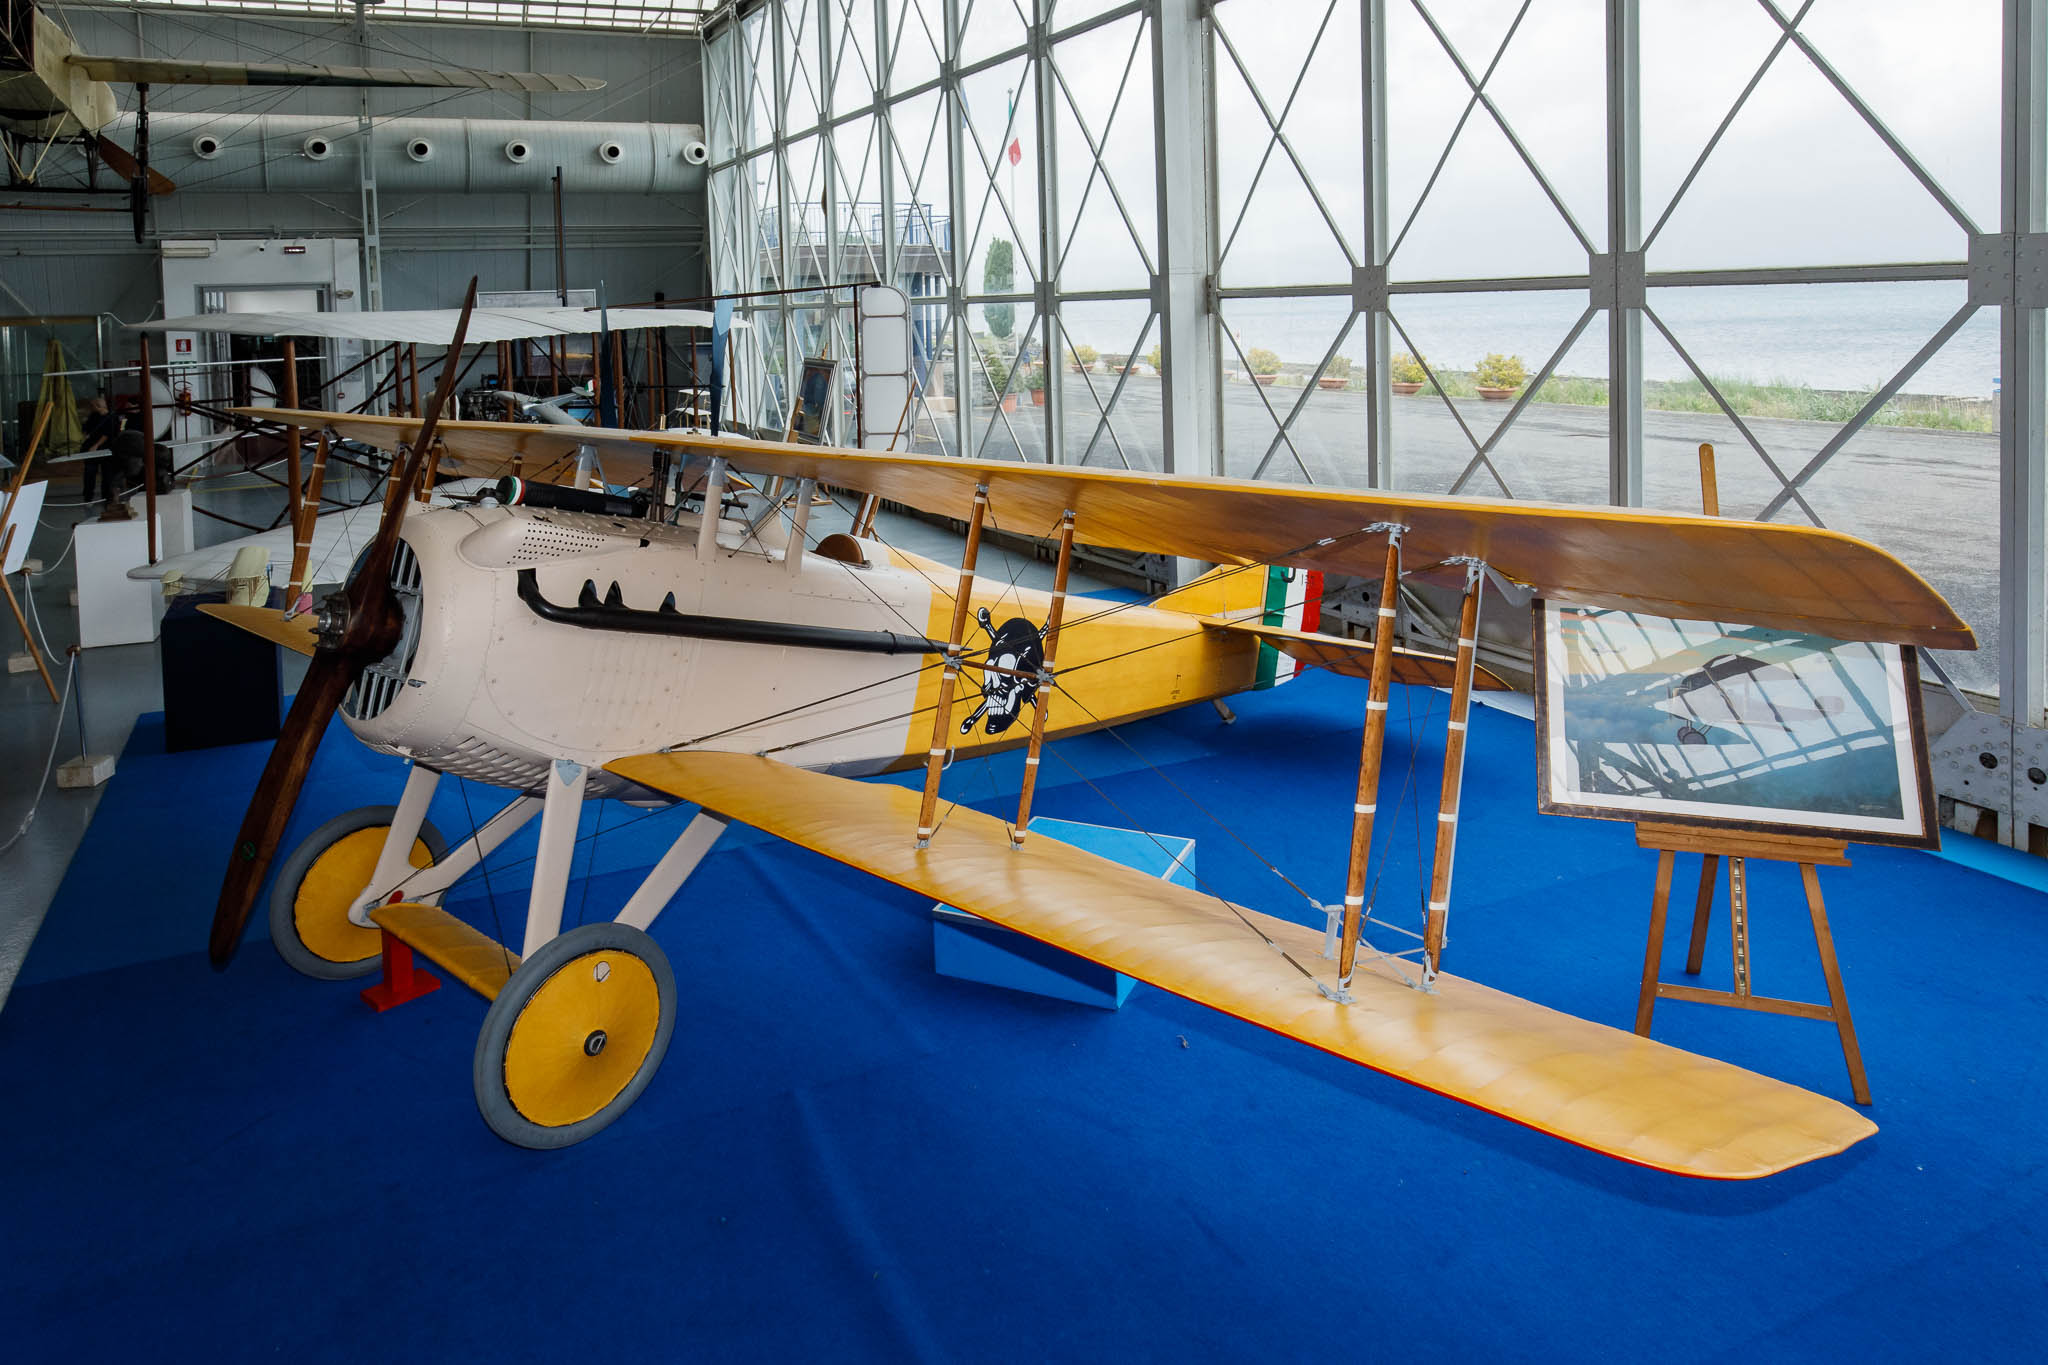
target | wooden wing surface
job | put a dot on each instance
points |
(1698, 568)
(1599, 1087)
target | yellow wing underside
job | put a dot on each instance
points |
(1693, 567)
(1599, 1087)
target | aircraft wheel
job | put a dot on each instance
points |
(575, 1036)
(1688, 734)
(309, 920)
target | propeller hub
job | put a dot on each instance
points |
(330, 622)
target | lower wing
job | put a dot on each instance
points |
(1599, 1087)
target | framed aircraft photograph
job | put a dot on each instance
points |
(1647, 718)
(814, 399)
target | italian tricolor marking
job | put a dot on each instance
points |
(1294, 600)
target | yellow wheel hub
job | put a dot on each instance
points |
(320, 911)
(581, 1037)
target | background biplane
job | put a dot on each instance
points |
(51, 92)
(746, 667)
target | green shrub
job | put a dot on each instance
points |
(1338, 368)
(1262, 361)
(1406, 369)
(1500, 372)
(1034, 378)
(1152, 357)
(1084, 356)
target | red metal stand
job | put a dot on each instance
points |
(402, 981)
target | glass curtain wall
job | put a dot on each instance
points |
(1519, 248)
(994, 159)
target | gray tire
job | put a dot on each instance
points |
(291, 879)
(572, 969)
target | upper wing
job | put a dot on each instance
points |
(1599, 1087)
(164, 71)
(1668, 564)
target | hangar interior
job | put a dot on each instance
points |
(1544, 253)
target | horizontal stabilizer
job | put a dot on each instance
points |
(1600, 1087)
(1353, 658)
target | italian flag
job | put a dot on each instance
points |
(1294, 600)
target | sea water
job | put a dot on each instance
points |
(1825, 336)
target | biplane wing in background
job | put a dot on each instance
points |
(768, 645)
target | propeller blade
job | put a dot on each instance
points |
(376, 570)
(369, 629)
(270, 808)
(123, 163)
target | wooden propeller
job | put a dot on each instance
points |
(357, 627)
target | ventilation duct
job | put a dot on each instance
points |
(248, 153)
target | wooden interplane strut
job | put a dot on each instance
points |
(1048, 682)
(1454, 774)
(942, 713)
(1366, 803)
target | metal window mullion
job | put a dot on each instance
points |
(2023, 354)
(1044, 78)
(954, 111)
(1624, 237)
(1379, 431)
(885, 146)
(1184, 190)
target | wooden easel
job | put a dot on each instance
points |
(1738, 846)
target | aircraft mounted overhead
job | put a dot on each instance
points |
(564, 645)
(52, 92)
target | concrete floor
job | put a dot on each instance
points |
(116, 684)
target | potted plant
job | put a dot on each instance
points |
(1082, 358)
(1034, 380)
(1407, 374)
(1264, 365)
(998, 371)
(1498, 376)
(1152, 359)
(1336, 374)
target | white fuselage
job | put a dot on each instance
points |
(494, 692)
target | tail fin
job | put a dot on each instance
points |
(1266, 593)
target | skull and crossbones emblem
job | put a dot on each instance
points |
(1018, 648)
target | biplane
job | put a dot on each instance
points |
(51, 92)
(560, 647)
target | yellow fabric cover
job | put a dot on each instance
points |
(331, 885)
(1596, 1086)
(1696, 567)
(549, 1076)
(295, 634)
(469, 955)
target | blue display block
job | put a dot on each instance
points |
(969, 947)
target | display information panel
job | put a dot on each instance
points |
(1646, 718)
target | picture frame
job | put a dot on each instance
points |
(814, 393)
(1652, 719)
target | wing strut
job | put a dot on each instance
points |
(1366, 802)
(942, 715)
(1047, 684)
(1454, 772)
(302, 532)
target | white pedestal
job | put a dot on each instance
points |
(173, 519)
(114, 609)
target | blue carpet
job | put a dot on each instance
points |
(847, 1157)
